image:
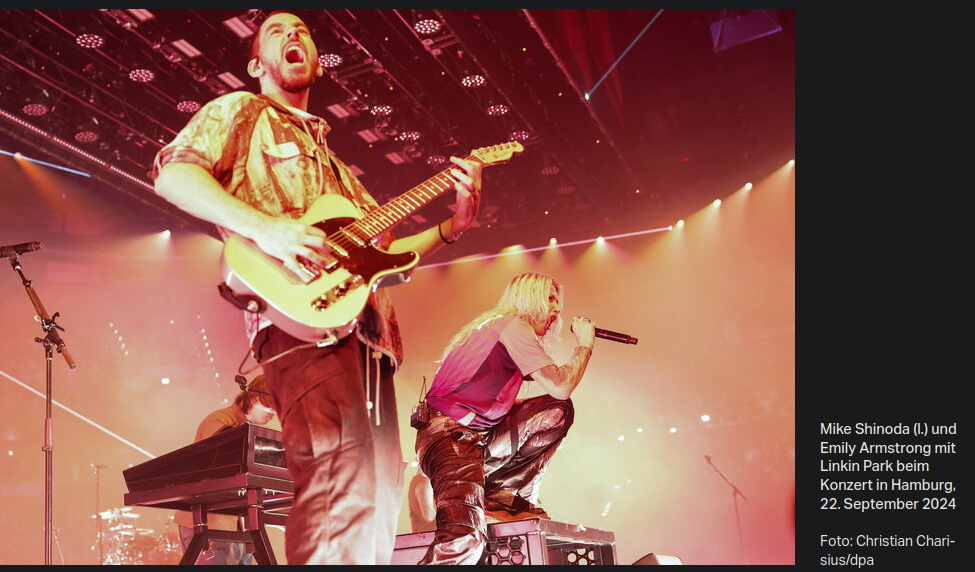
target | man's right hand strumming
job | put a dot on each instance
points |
(300, 247)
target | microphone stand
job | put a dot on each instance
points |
(735, 493)
(51, 340)
(98, 515)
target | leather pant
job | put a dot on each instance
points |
(347, 470)
(467, 466)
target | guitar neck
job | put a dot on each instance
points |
(397, 209)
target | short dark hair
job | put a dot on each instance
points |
(255, 43)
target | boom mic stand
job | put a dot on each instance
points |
(735, 493)
(51, 340)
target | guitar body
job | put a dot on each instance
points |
(326, 309)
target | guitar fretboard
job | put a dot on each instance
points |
(397, 209)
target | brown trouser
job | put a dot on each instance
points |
(347, 470)
(466, 466)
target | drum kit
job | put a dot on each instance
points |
(122, 541)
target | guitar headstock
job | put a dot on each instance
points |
(498, 153)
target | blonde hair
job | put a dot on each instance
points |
(526, 296)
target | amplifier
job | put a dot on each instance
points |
(533, 541)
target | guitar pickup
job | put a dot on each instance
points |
(352, 236)
(337, 249)
(334, 294)
(310, 270)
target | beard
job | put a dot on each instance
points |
(291, 84)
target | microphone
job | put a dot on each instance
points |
(613, 336)
(12, 250)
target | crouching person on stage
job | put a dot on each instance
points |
(484, 452)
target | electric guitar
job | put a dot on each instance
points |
(326, 308)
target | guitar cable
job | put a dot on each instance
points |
(240, 368)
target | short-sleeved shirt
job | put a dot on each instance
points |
(275, 159)
(485, 373)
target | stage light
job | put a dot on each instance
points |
(673, 429)
(620, 438)
(188, 49)
(86, 137)
(426, 26)
(717, 202)
(792, 162)
(748, 186)
(232, 81)
(680, 223)
(612, 67)
(705, 418)
(165, 381)
(496, 110)
(188, 106)
(166, 233)
(141, 75)
(639, 429)
(473, 80)
(90, 41)
(329, 61)
(435, 160)
(600, 240)
(36, 109)
(242, 27)
(552, 241)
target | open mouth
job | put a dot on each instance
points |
(294, 55)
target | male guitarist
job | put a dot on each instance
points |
(252, 165)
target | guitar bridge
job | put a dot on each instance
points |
(334, 294)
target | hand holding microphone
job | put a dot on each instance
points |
(584, 331)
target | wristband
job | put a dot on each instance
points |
(454, 237)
